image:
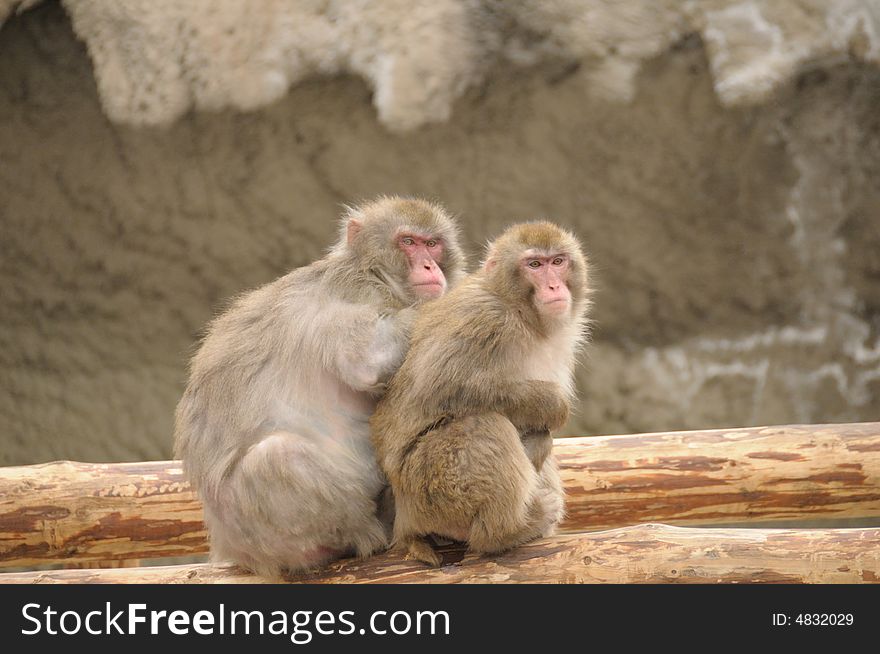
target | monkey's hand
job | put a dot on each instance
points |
(542, 406)
(367, 363)
(420, 550)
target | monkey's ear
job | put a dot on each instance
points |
(352, 230)
(490, 264)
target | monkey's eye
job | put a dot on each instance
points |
(431, 243)
(558, 261)
(406, 240)
(534, 264)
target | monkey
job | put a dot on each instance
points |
(272, 426)
(463, 430)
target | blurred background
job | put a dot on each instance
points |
(719, 160)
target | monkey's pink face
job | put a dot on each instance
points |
(549, 277)
(425, 253)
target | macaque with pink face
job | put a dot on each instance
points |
(547, 271)
(273, 425)
(424, 251)
(463, 432)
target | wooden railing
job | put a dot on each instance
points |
(91, 514)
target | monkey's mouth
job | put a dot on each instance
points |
(555, 307)
(428, 290)
(429, 286)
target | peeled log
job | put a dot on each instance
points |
(760, 474)
(649, 553)
(95, 512)
(98, 512)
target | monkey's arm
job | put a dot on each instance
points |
(363, 347)
(532, 406)
(484, 367)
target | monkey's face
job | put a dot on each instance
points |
(410, 245)
(424, 255)
(548, 274)
(540, 266)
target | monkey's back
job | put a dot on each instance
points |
(256, 358)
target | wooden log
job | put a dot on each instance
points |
(755, 475)
(95, 512)
(98, 512)
(650, 553)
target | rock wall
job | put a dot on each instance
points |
(719, 164)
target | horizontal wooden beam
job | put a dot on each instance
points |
(98, 512)
(650, 553)
(93, 512)
(753, 475)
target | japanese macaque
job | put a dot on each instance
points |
(463, 431)
(273, 426)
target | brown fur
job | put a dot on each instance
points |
(485, 370)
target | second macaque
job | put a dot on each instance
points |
(463, 433)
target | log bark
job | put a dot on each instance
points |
(99, 512)
(650, 553)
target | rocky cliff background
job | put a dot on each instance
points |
(719, 159)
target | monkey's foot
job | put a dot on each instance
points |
(420, 550)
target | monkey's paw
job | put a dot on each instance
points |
(420, 550)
